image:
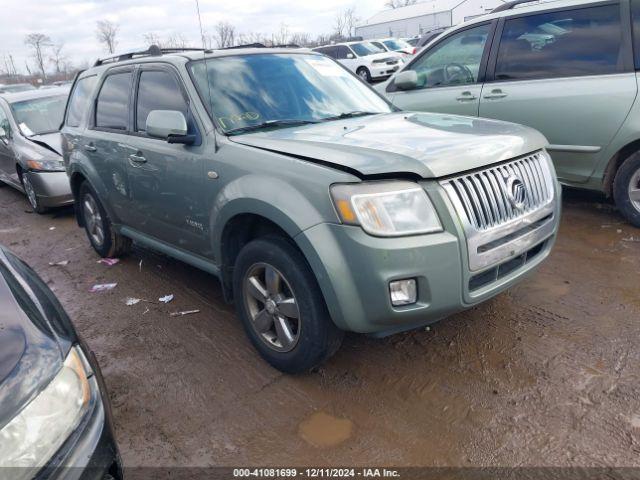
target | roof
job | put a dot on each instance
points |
(32, 94)
(420, 9)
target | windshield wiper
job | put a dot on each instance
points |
(269, 124)
(355, 113)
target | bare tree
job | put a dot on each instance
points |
(350, 21)
(302, 39)
(152, 39)
(400, 3)
(176, 40)
(106, 32)
(339, 25)
(38, 42)
(58, 58)
(225, 34)
(281, 37)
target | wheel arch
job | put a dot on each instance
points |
(615, 162)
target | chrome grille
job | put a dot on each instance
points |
(485, 199)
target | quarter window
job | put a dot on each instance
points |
(454, 61)
(112, 110)
(568, 43)
(79, 101)
(158, 90)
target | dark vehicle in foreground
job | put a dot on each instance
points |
(30, 152)
(55, 419)
(319, 207)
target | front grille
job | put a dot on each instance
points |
(486, 198)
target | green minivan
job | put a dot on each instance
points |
(566, 68)
(319, 207)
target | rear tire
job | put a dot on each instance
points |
(364, 74)
(626, 189)
(32, 196)
(281, 307)
(100, 232)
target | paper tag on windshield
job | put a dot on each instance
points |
(25, 130)
(327, 68)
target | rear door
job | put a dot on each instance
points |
(449, 74)
(569, 74)
(102, 143)
(166, 180)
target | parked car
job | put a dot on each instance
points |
(30, 151)
(565, 68)
(55, 420)
(396, 45)
(16, 87)
(369, 62)
(320, 208)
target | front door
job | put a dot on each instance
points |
(448, 75)
(7, 159)
(166, 180)
(567, 74)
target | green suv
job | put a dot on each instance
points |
(318, 206)
(565, 68)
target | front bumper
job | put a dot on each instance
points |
(383, 71)
(91, 451)
(354, 270)
(52, 188)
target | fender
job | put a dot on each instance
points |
(266, 196)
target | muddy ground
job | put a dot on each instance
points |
(545, 374)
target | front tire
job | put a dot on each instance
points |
(626, 189)
(364, 74)
(32, 196)
(281, 307)
(98, 227)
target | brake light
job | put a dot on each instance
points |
(415, 50)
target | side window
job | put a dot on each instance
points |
(342, 52)
(79, 100)
(454, 61)
(331, 51)
(112, 109)
(379, 45)
(158, 90)
(586, 41)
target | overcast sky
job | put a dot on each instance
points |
(74, 21)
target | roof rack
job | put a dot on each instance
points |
(152, 51)
(514, 3)
(262, 45)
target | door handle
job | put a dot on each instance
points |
(466, 97)
(135, 158)
(495, 93)
(90, 148)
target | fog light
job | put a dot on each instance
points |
(403, 292)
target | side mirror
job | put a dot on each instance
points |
(407, 80)
(350, 56)
(169, 125)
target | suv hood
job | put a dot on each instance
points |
(423, 144)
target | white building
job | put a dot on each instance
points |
(422, 17)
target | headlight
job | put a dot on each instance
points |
(386, 209)
(33, 436)
(46, 165)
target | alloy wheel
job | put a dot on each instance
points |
(30, 191)
(634, 190)
(272, 307)
(93, 220)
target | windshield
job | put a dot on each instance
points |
(250, 90)
(396, 45)
(365, 48)
(40, 115)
